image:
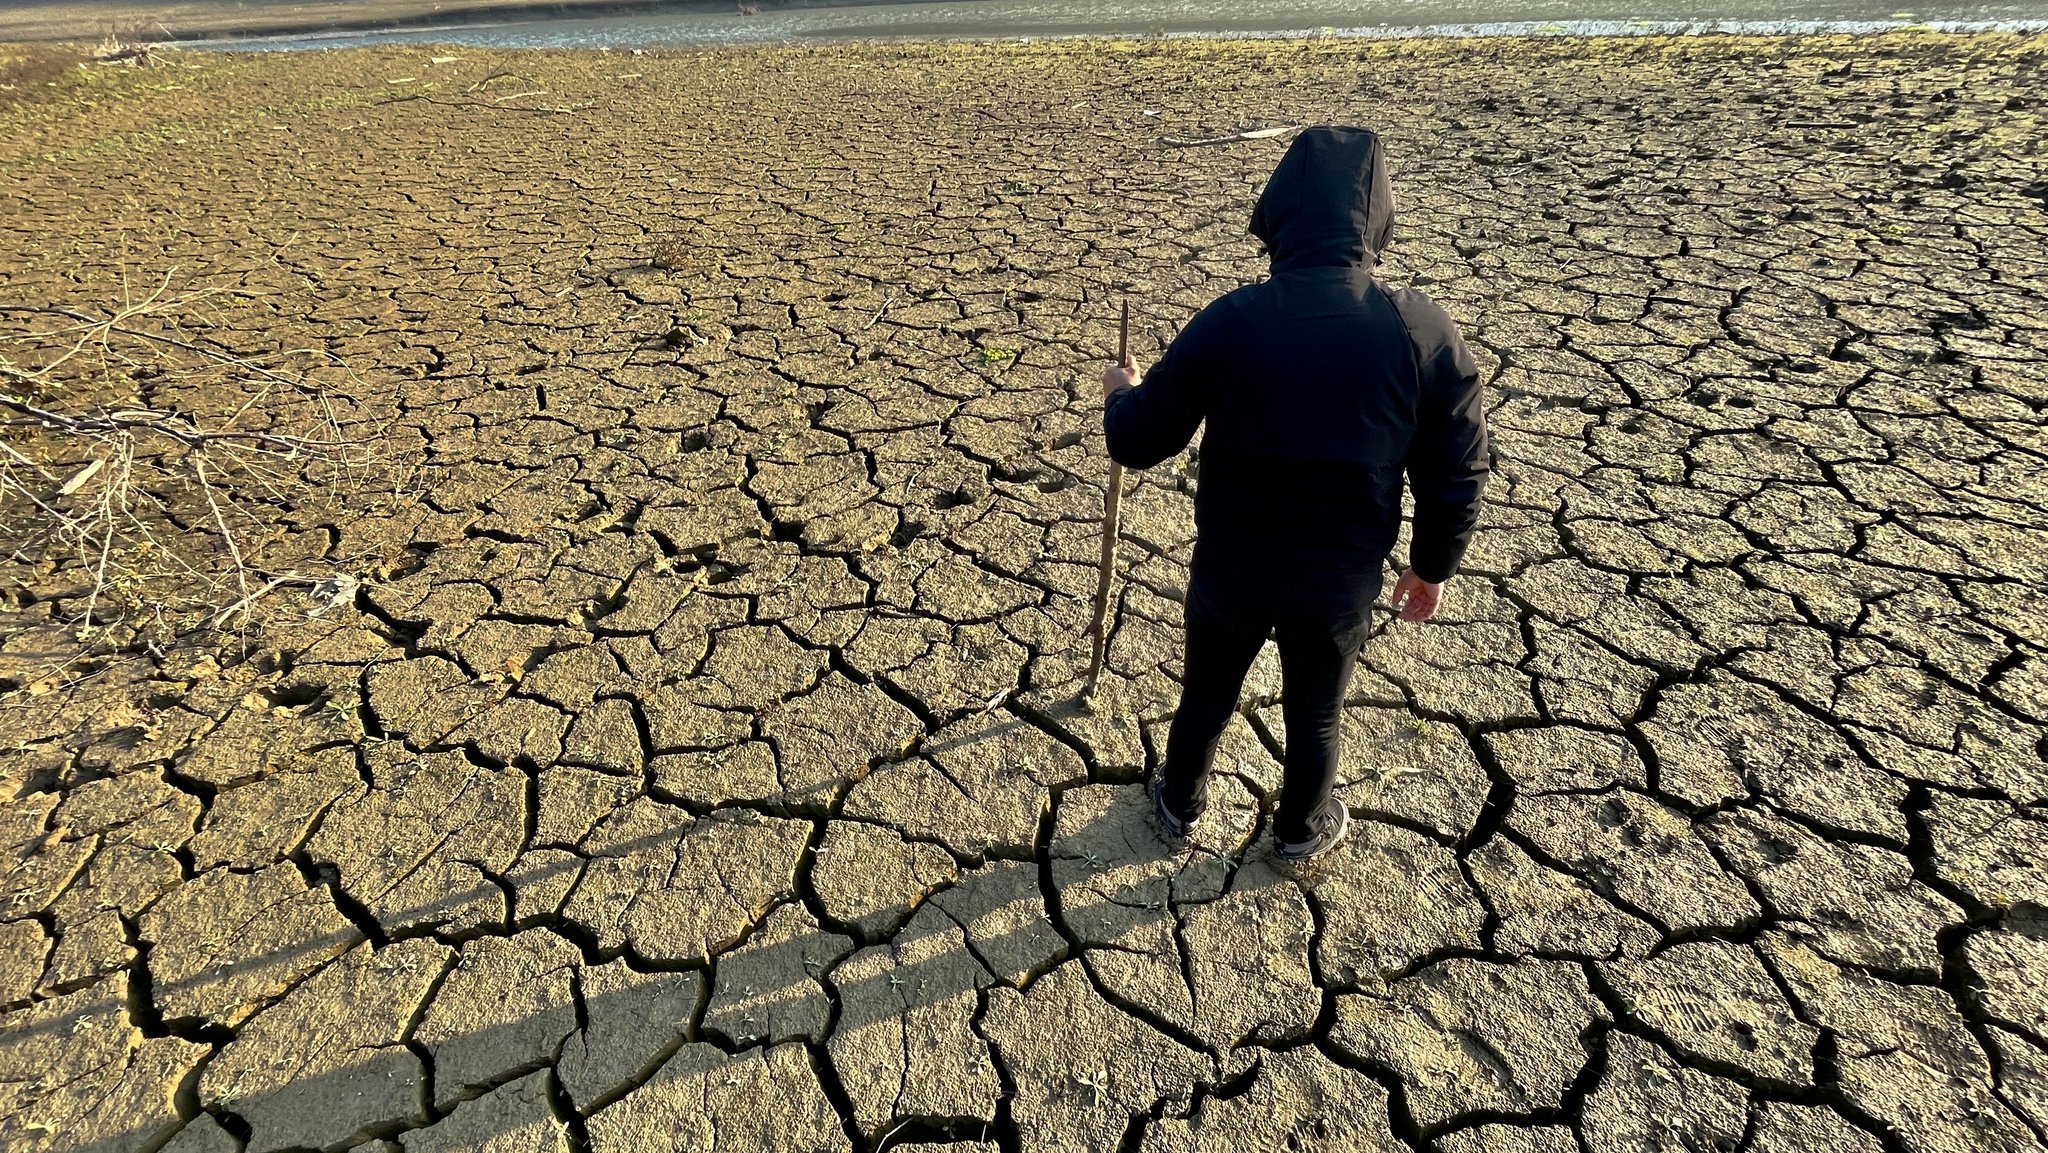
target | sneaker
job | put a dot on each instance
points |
(1172, 826)
(1327, 827)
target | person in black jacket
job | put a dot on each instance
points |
(1320, 387)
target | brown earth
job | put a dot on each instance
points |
(699, 768)
(191, 19)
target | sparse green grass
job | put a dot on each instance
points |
(113, 110)
(27, 72)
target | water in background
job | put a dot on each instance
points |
(1023, 19)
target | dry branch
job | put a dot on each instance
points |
(113, 50)
(132, 420)
(1233, 138)
(101, 484)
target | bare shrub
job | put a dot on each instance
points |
(145, 466)
(669, 252)
(135, 53)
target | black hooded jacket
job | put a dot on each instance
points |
(1320, 387)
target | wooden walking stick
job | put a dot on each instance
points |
(1112, 515)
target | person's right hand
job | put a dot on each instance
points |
(1119, 376)
(1416, 599)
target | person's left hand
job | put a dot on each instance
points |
(1118, 376)
(1416, 599)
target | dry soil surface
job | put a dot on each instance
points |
(57, 20)
(699, 766)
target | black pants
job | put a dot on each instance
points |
(1317, 654)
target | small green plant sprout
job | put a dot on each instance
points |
(998, 355)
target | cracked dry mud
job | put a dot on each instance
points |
(699, 767)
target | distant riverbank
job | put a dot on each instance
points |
(616, 24)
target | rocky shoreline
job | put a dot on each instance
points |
(681, 750)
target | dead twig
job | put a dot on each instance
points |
(168, 424)
(879, 312)
(332, 591)
(113, 51)
(494, 106)
(101, 326)
(486, 81)
(1233, 138)
(1112, 521)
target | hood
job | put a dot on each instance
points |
(1329, 203)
